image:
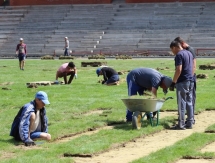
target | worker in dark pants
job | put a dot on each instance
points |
(145, 79)
(66, 69)
(183, 81)
(110, 76)
(185, 45)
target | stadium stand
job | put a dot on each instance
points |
(110, 29)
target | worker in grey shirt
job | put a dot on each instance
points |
(142, 79)
(186, 46)
(66, 47)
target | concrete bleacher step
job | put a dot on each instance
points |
(116, 27)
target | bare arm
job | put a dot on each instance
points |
(154, 91)
(177, 73)
(194, 65)
(75, 70)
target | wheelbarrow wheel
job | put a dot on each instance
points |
(136, 120)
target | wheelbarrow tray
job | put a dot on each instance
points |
(143, 105)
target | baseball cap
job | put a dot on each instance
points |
(42, 96)
(167, 81)
(66, 37)
(98, 71)
(21, 39)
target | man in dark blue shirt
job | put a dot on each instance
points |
(183, 80)
(185, 45)
(142, 79)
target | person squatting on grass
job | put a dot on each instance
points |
(110, 76)
(145, 79)
(21, 52)
(184, 45)
(31, 122)
(183, 81)
(66, 69)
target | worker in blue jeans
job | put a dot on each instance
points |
(145, 79)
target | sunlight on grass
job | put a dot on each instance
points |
(69, 103)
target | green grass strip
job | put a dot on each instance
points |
(189, 146)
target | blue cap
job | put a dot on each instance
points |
(42, 96)
(98, 71)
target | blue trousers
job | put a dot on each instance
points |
(113, 79)
(184, 93)
(66, 52)
(133, 89)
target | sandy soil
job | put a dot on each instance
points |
(196, 161)
(209, 148)
(134, 150)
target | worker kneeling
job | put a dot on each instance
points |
(110, 76)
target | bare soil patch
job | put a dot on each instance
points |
(209, 148)
(196, 161)
(134, 150)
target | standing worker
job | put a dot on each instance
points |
(66, 47)
(66, 69)
(21, 52)
(183, 81)
(145, 79)
(110, 76)
(184, 45)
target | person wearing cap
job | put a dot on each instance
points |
(21, 52)
(183, 81)
(143, 79)
(186, 46)
(31, 121)
(66, 47)
(66, 69)
(110, 76)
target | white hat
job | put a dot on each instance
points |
(21, 39)
(66, 37)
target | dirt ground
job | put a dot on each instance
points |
(134, 150)
(196, 161)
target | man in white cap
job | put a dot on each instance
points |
(21, 52)
(145, 79)
(31, 122)
(66, 47)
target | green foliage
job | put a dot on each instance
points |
(47, 57)
(66, 57)
(97, 56)
(124, 57)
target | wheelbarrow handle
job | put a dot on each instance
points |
(168, 98)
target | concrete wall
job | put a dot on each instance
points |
(157, 1)
(55, 2)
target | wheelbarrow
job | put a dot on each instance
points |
(144, 105)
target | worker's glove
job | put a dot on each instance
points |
(172, 86)
(165, 91)
(29, 142)
(76, 76)
(56, 82)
